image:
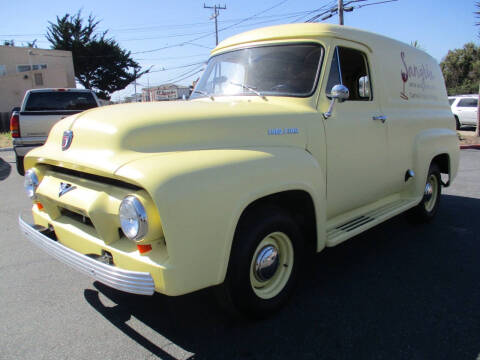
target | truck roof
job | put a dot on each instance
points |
(305, 31)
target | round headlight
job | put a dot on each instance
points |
(31, 183)
(133, 218)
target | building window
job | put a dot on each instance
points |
(39, 66)
(38, 79)
(24, 68)
(3, 70)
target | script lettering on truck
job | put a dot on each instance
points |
(419, 77)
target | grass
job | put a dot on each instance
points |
(5, 140)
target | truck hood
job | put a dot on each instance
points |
(106, 138)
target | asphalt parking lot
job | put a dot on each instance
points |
(397, 291)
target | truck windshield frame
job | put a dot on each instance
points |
(290, 69)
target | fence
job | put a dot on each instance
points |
(4, 122)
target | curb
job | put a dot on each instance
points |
(6, 149)
(464, 147)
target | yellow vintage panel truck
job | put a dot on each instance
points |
(296, 138)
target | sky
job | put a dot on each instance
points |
(174, 38)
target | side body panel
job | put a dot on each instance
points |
(419, 120)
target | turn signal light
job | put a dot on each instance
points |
(15, 125)
(144, 248)
(39, 206)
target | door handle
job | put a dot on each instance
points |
(381, 118)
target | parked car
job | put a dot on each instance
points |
(296, 138)
(40, 110)
(464, 109)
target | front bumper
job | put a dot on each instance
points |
(129, 281)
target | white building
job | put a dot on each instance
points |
(23, 68)
(165, 92)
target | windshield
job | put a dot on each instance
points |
(280, 70)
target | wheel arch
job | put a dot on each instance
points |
(299, 204)
(439, 146)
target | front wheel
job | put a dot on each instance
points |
(425, 211)
(264, 264)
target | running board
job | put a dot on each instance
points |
(345, 231)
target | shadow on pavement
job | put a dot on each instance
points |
(5, 169)
(397, 291)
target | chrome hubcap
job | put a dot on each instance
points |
(431, 192)
(266, 263)
(271, 265)
(428, 191)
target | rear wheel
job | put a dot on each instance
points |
(20, 168)
(457, 123)
(428, 207)
(264, 263)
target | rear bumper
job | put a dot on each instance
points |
(129, 281)
(23, 145)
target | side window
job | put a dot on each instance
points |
(334, 78)
(350, 68)
(468, 103)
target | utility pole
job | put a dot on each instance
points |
(135, 74)
(215, 16)
(340, 12)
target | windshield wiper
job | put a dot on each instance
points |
(249, 88)
(203, 93)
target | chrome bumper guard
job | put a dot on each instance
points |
(129, 281)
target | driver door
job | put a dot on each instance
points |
(357, 147)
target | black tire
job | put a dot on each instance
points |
(426, 210)
(20, 168)
(238, 293)
(457, 123)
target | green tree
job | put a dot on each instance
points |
(461, 70)
(100, 64)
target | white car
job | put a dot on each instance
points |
(464, 108)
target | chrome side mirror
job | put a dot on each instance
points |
(340, 93)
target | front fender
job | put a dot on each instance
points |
(200, 196)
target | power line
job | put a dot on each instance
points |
(204, 36)
(185, 75)
(178, 67)
(328, 5)
(334, 10)
(255, 15)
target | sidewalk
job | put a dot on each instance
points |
(468, 140)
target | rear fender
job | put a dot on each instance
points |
(429, 144)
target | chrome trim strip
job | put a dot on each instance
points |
(129, 281)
